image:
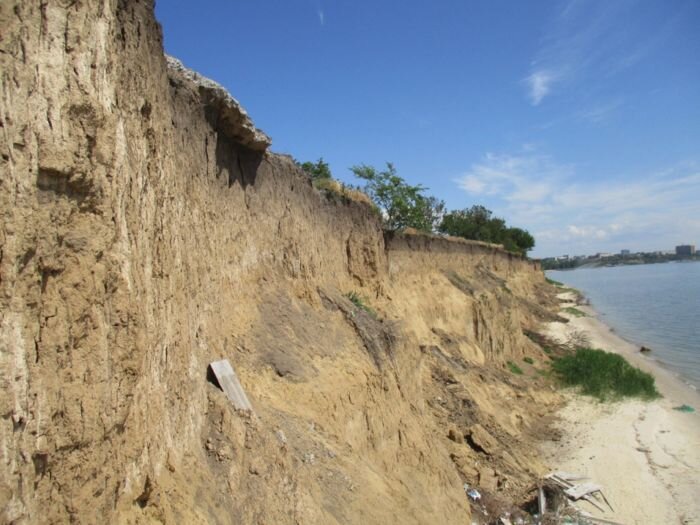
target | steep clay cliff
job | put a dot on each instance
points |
(146, 230)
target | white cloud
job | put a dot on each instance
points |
(539, 85)
(473, 184)
(598, 113)
(586, 43)
(648, 211)
(588, 232)
(321, 16)
(510, 176)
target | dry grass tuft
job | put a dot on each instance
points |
(338, 188)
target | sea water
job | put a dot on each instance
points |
(655, 305)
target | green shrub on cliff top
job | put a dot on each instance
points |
(402, 205)
(479, 224)
(322, 179)
(317, 170)
(604, 375)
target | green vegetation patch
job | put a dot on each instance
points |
(684, 408)
(547, 345)
(514, 368)
(358, 301)
(574, 311)
(555, 283)
(529, 360)
(604, 375)
(404, 207)
(478, 223)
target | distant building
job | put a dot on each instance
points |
(603, 255)
(624, 252)
(685, 250)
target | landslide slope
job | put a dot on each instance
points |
(146, 230)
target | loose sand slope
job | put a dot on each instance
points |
(646, 455)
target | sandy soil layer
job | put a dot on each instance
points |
(645, 454)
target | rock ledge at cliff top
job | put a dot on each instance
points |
(230, 117)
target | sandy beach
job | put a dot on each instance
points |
(646, 455)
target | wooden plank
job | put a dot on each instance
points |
(579, 491)
(603, 521)
(561, 482)
(564, 484)
(541, 500)
(606, 501)
(593, 502)
(229, 383)
(566, 476)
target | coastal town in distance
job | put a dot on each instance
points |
(682, 252)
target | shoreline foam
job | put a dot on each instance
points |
(645, 454)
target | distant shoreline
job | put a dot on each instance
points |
(616, 260)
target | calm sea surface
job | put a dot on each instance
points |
(656, 305)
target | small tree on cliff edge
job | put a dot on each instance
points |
(522, 239)
(402, 205)
(317, 170)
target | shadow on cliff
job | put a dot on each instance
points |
(234, 161)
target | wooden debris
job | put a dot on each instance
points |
(229, 383)
(567, 476)
(578, 491)
(606, 501)
(594, 503)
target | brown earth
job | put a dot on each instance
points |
(146, 231)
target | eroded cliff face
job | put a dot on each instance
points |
(146, 231)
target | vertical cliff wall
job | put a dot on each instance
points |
(146, 231)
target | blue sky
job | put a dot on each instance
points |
(578, 120)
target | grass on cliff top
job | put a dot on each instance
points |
(604, 375)
(345, 192)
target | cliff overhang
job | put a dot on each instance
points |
(225, 113)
